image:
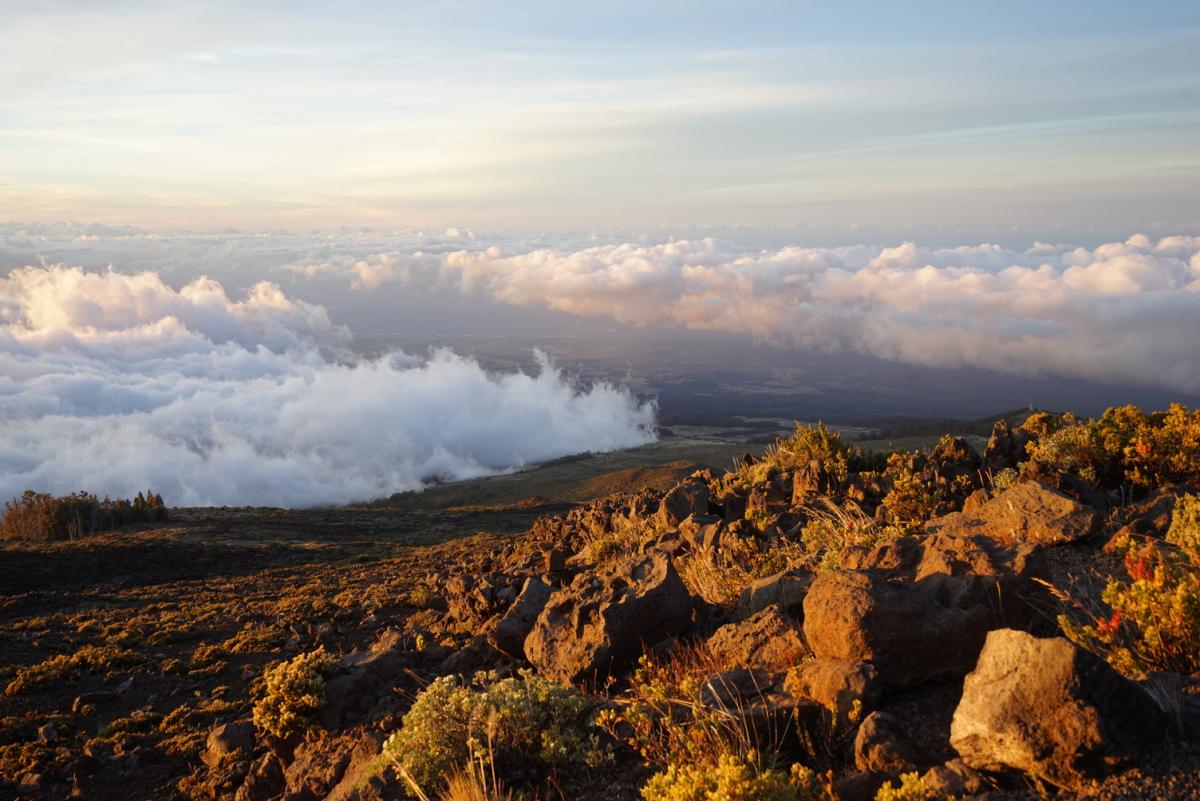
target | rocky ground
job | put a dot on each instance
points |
(779, 608)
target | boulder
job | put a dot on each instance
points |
(1049, 708)
(954, 779)
(228, 741)
(972, 570)
(360, 676)
(1005, 447)
(688, 497)
(602, 622)
(318, 766)
(785, 589)
(849, 689)
(909, 635)
(894, 557)
(514, 626)
(264, 781)
(813, 479)
(767, 639)
(882, 747)
(1030, 513)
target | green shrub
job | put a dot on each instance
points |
(38, 516)
(911, 788)
(732, 778)
(292, 692)
(520, 723)
(914, 496)
(1155, 620)
(1125, 445)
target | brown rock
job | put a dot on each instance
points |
(361, 676)
(849, 689)
(688, 497)
(882, 747)
(785, 589)
(228, 741)
(510, 632)
(1029, 512)
(1046, 707)
(909, 635)
(767, 639)
(264, 780)
(602, 622)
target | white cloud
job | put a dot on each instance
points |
(111, 382)
(1121, 312)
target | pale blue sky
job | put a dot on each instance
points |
(567, 116)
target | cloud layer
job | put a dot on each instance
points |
(111, 382)
(1125, 312)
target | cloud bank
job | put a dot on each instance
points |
(1122, 312)
(111, 382)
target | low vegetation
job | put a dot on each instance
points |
(1154, 623)
(521, 726)
(292, 692)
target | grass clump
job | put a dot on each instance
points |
(1155, 619)
(831, 529)
(39, 516)
(524, 726)
(292, 692)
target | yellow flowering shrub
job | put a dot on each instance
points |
(732, 778)
(911, 788)
(521, 722)
(292, 692)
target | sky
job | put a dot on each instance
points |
(812, 122)
(204, 204)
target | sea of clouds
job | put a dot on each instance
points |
(1123, 312)
(112, 382)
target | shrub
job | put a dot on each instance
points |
(914, 497)
(911, 788)
(1074, 449)
(1155, 620)
(1126, 445)
(732, 778)
(806, 445)
(38, 516)
(292, 692)
(521, 722)
(1005, 479)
